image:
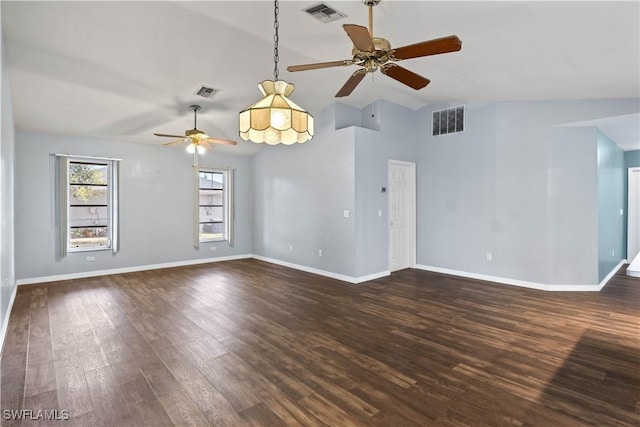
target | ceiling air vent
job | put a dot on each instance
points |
(447, 121)
(324, 12)
(207, 92)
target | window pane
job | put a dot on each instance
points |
(436, 123)
(212, 208)
(210, 197)
(87, 173)
(211, 180)
(211, 231)
(88, 237)
(86, 216)
(208, 214)
(88, 210)
(87, 195)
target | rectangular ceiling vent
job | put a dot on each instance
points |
(324, 12)
(207, 92)
(447, 121)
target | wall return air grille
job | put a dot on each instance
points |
(449, 120)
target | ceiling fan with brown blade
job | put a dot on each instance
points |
(375, 53)
(198, 140)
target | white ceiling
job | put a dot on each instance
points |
(123, 70)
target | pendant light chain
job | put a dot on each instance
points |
(276, 57)
(275, 119)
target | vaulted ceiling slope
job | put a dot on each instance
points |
(122, 70)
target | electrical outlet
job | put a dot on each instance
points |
(91, 258)
(319, 252)
(213, 248)
(621, 212)
(613, 252)
(346, 213)
(291, 248)
(379, 212)
(489, 256)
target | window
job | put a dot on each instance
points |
(88, 204)
(214, 211)
(450, 120)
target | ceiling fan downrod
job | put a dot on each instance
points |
(371, 3)
(195, 109)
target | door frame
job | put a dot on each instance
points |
(411, 208)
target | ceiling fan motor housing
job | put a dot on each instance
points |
(371, 61)
(375, 53)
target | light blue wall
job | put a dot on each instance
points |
(7, 194)
(156, 205)
(303, 190)
(611, 176)
(394, 139)
(631, 160)
(515, 184)
(301, 193)
(456, 193)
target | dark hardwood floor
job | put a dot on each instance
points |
(250, 343)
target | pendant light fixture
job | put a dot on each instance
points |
(275, 119)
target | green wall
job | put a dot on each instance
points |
(611, 230)
(631, 160)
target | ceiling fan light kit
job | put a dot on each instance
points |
(375, 53)
(275, 119)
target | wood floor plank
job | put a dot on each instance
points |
(143, 405)
(45, 408)
(182, 410)
(109, 402)
(250, 343)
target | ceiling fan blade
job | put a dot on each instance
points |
(306, 67)
(405, 76)
(351, 84)
(360, 37)
(175, 142)
(426, 48)
(164, 135)
(219, 141)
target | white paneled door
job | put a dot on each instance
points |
(402, 218)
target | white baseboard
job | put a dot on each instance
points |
(5, 321)
(341, 277)
(634, 267)
(85, 274)
(611, 274)
(524, 283)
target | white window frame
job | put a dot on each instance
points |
(63, 198)
(227, 205)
